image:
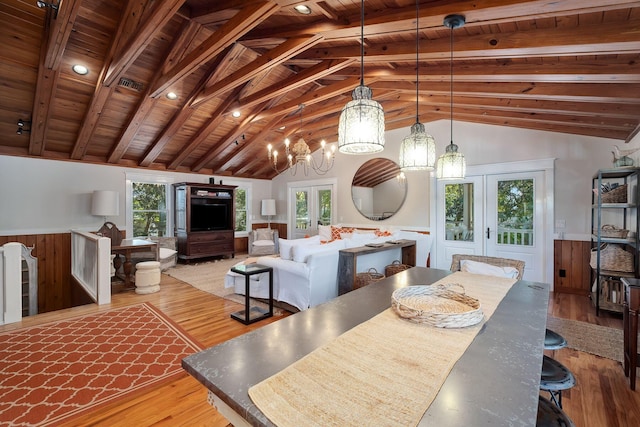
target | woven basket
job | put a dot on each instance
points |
(366, 278)
(612, 231)
(617, 195)
(395, 267)
(438, 306)
(612, 258)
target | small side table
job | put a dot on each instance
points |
(253, 314)
(630, 326)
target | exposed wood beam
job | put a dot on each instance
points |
(184, 114)
(388, 21)
(602, 39)
(146, 102)
(304, 77)
(102, 93)
(60, 32)
(227, 139)
(162, 13)
(205, 130)
(245, 20)
(270, 59)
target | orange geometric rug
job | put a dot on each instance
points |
(53, 372)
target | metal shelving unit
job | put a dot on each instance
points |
(624, 215)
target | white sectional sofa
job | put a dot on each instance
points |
(305, 274)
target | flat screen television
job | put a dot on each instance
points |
(210, 216)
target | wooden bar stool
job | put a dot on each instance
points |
(555, 378)
(549, 415)
(553, 340)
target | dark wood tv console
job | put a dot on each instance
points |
(204, 220)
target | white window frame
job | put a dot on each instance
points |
(148, 179)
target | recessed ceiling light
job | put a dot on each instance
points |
(302, 9)
(236, 113)
(80, 69)
(282, 127)
(172, 95)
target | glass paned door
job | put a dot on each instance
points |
(515, 220)
(515, 212)
(312, 206)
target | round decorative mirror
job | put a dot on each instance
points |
(378, 189)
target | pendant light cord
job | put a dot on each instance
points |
(417, 58)
(451, 81)
(362, 43)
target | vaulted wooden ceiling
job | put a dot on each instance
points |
(568, 66)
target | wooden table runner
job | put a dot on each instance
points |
(383, 372)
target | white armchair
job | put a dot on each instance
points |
(263, 241)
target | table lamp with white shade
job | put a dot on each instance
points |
(269, 209)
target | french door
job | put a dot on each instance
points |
(501, 215)
(309, 207)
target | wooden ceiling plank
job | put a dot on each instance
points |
(243, 22)
(205, 130)
(230, 137)
(607, 38)
(146, 102)
(184, 113)
(304, 77)
(390, 21)
(319, 95)
(258, 139)
(270, 59)
(162, 13)
(130, 17)
(582, 92)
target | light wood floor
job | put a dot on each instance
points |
(601, 398)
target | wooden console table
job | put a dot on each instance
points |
(348, 261)
(630, 327)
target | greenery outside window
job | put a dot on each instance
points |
(149, 209)
(241, 209)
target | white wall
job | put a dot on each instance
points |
(45, 196)
(577, 159)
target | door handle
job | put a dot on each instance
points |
(488, 233)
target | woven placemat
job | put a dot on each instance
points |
(370, 373)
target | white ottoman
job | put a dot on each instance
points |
(147, 277)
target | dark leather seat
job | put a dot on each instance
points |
(555, 378)
(549, 415)
(553, 340)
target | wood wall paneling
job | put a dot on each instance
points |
(572, 273)
(53, 252)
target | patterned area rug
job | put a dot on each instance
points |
(595, 339)
(56, 371)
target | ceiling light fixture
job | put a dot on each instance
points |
(172, 95)
(80, 69)
(418, 150)
(361, 126)
(302, 9)
(23, 126)
(236, 114)
(300, 155)
(451, 165)
(52, 6)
